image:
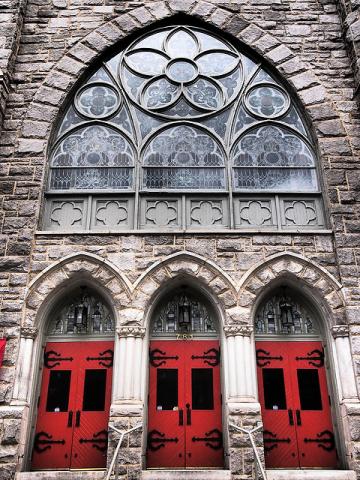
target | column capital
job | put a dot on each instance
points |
(131, 331)
(238, 330)
(340, 331)
(29, 332)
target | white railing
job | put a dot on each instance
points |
(252, 441)
(114, 462)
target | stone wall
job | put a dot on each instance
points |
(54, 44)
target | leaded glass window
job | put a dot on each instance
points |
(284, 313)
(183, 313)
(84, 314)
(182, 130)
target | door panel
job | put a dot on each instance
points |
(280, 441)
(92, 406)
(184, 405)
(74, 406)
(53, 436)
(204, 445)
(166, 442)
(311, 402)
(295, 403)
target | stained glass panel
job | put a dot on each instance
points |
(183, 313)
(181, 108)
(84, 314)
(284, 314)
(279, 159)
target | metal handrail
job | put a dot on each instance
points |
(252, 441)
(116, 452)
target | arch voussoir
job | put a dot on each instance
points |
(82, 267)
(302, 273)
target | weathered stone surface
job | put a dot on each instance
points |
(44, 50)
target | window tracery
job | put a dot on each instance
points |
(182, 113)
(84, 314)
(183, 314)
(284, 314)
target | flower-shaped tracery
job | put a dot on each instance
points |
(97, 101)
(183, 67)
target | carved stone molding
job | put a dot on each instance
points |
(29, 332)
(235, 330)
(340, 331)
(131, 331)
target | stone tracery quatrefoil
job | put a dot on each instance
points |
(182, 67)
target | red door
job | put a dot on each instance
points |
(185, 428)
(74, 406)
(295, 405)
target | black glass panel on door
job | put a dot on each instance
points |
(167, 389)
(309, 389)
(94, 391)
(274, 389)
(58, 391)
(202, 389)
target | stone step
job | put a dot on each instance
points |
(62, 475)
(185, 475)
(310, 475)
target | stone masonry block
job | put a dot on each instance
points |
(142, 15)
(332, 128)
(158, 9)
(279, 54)
(313, 95)
(220, 17)
(304, 80)
(96, 41)
(83, 52)
(203, 9)
(181, 5)
(31, 145)
(251, 34)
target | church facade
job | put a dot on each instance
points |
(180, 240)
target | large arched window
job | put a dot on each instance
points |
(180, 130)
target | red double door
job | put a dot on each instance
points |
(295, 405)
(74, 406)
(184, 424)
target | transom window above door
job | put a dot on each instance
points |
(83, 314)
(183, 314)
(182, 131)
(285, 314)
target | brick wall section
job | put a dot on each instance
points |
(300, 38)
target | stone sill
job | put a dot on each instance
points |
(310, 474)
(183, 232)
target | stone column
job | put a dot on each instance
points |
(128, 373)
(24, 365)
(340, 334)
(240, 359)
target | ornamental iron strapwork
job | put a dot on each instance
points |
(85, 314)
(183, 314)
(174, 132)
(284, 314)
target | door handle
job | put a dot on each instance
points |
(77, 418)
(291, 417)
(188, 414)
(181, 417)
(70, 418)
(298, 417)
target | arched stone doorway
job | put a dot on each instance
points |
(293, 385)
(75, 391)
(184, 406)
